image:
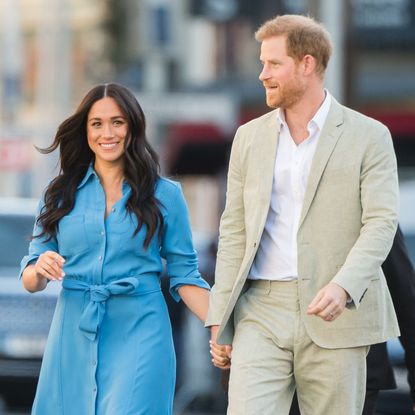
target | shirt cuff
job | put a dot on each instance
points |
(27, 260)
(177, 282)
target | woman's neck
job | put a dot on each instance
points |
(111, 176)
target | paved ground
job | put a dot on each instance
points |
(395, 402)
(4, 411)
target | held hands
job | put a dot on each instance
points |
(329, 302)
(221, 354)
(50, 266)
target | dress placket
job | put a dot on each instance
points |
(97, 278)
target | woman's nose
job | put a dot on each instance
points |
(108, 132)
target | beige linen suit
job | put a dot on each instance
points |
(346, 229)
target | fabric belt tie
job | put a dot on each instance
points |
(94, 312)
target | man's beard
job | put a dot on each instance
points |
(289, 94)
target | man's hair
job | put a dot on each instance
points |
(304, 35)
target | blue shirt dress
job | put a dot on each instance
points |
(110, 348)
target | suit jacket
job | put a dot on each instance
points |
(346, 228)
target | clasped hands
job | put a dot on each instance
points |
(328, 304)
(221, 354)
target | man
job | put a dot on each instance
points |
(310, 216)
(400, 277)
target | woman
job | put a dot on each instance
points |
(104, 225)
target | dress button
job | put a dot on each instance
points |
(102, 233)
(94, 362)
(94, 390)
(113, 210)
(100, 257)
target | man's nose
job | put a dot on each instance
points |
(264, 74)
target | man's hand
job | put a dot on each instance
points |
(329, 302)
(221, 354)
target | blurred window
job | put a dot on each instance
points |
(161, 17)
(382, 24)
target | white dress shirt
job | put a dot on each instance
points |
(276, 258)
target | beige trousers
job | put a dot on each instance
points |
(273, 355)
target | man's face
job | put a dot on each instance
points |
(280, 75)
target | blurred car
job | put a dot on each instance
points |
(24, 318)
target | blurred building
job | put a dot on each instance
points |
(52, 50)
(381, 46)
(194, 67)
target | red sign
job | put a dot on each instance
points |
(401, 124)
(16, 155)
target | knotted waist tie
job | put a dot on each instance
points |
(94, 311)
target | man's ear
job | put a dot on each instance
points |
(308, 64)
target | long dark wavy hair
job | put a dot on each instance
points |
(141, 166)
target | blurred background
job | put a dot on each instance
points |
(194, 66)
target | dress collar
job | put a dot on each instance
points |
(90, 172)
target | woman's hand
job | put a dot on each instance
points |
(50, 266)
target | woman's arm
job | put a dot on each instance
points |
(181, 258)
(196, 299)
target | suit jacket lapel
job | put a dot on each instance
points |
(332, 130)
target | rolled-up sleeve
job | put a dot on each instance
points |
(177, 245)
(37, 245)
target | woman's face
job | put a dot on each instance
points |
(107, 129)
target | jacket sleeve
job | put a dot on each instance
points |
(380, 204)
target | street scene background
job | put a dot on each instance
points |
(194, 66)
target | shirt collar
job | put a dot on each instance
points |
(281, 117)
(90, 172)
(319, 117)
